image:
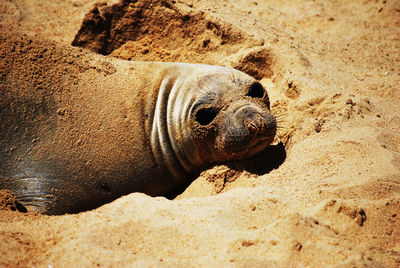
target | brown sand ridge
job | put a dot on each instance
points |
(332, 70)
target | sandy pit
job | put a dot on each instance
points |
(332, 71)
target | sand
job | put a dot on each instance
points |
(332, 71)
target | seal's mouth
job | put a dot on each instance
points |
(251, 147)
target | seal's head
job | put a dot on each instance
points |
(238, 127)
(230, 116)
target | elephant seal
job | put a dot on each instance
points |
(78, 130)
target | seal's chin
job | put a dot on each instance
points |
(246, 150)
(258, 146)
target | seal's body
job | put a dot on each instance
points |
(97, 128)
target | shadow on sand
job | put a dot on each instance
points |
(261, 164)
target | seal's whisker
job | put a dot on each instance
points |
(208, 92)
(280, 117)
(233, 77)
(281, 123)
(280, 133)
(236, 80)
(282, 128)
(204, 91)
(279, 113)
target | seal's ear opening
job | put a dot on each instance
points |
(256, 91)
(206, 115)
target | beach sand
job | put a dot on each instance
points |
(332, 72)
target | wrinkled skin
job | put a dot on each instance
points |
(98, 128)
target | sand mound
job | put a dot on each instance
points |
(332, 72)
(138, 30)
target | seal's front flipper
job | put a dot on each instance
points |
(33, 193)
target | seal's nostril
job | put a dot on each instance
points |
(252, 126)
(259, 125)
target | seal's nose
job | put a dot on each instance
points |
(257, 121)
(261, 124)
(254, 123)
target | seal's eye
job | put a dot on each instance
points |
(206, 115)
(256, 91)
